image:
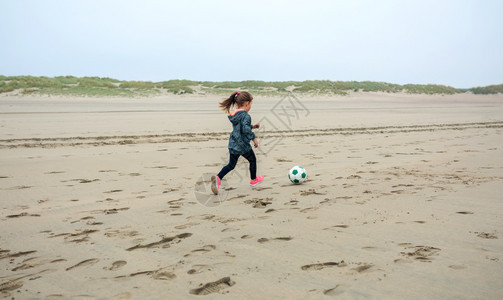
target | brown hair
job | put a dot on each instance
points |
(236, 98)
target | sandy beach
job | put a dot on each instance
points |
(106, 198)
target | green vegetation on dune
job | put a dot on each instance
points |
(97, 86)
(490, 89)
(177, 86)
(77, 86)
(430, 89)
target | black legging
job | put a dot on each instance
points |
(250, 156)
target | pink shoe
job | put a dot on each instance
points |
(215, 184)
(257, 180)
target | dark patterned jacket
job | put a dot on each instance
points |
(241, 135)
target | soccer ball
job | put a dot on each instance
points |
(297, 175)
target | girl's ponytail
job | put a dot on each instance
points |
(227, 104)
(236, 98)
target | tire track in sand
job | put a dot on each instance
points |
(54, 142)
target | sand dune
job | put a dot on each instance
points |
(403, 199)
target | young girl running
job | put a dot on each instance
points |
(239, 141)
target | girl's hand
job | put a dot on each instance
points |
(256, 126)
(255, 142)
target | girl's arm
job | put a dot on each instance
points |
(246, 128)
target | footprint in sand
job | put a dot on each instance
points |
(337, 290)
(321, 266)
(213, 287)
(310, 192)
(122, 234)
(162, 167)
(362, 268)
(23, 215)
(292, 202)
(229, 229)
(163, 243)
(237, 197)
(328, 201)
(77, 237)
(10, 285)
(457, 267)
(185, 226)
(336, 226)
(196, 269)
(397, 192)
(160, 274)
(19, 187)
(83, 219)
(308, 209)
(6, 254)
(55, 172)
(281, 159)
(109, 211)
(176, 202)
(113, 191)
(170, 190)
(117, 265)
(29, 263)
(421, 253)
(263, 240)
(86, 180)
(259, 203)
(84, 263)
(485, 235)
(204, 249)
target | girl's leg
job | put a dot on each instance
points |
(232, 163)
(250, 156)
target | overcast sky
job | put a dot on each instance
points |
(457, 43)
